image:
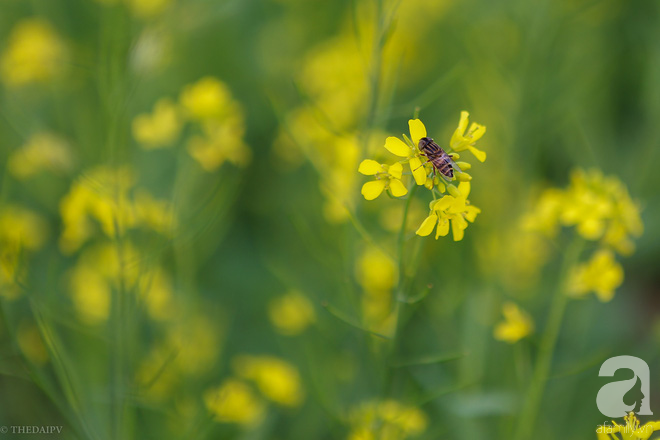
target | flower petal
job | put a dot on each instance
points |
(480, 155)
(476, 131)
(417, 130)
(464, 189)
(471, 213)
(443, 203)
(458, 225)
(460, 130)
(371, 190)
(397, 146)
(398, 188)
(443, 228)
(427, 225)
(370, 167)
(418, 171)
(396, 170)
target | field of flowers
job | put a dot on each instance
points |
(349, 219)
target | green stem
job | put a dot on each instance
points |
(529, 413)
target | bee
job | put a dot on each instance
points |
(440, 160)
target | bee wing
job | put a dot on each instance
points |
(453, 165)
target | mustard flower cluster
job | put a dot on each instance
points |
(450, 205)
(35, 54)
(632, 430)
(216, 118)
(105, 196)
(242, 398)
(43, 151)
(22, 232)
(386, 419)
(291, 313)
(602, 211)
(517, 324)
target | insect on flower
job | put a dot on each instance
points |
(440, 160)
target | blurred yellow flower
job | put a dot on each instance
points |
(42, 151)
(292, 313)
(387, 419)
(160, 128)
(209, 103)
(277, 379)
(208, 98)
(464, 140)
(222, 141)
(456, 209)
(155, 214)
(21, 233)
(35, 53)
(630, 431)
(544, 218)
(598, 206)
(334, 77)
(104, 194)
(197, 342)
(104, 267)
(31, 343)
(155, 289)
(375, 271)
(91, 295)
(516, 325)
(387, 177)
(21, 229)
(601, 275)
(234, 402)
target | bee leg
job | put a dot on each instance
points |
(421, 165)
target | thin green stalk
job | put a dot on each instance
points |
(529, 413)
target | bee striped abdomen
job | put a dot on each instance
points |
(437, 156)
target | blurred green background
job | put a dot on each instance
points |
(184, 249)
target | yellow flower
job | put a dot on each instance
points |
(91, 295)
(155, 288)
(222, 141)
(104, 194)
(197, 343)
(278, 380)
(602, 275)
(599, 207)
(516, 325)
(375, 271)
(235, 402)
(387, 177)
(21, 229)
(292, 313)
(157, 215)
(208, 98)
(630, 431)
(399, 148)
(35, 53)
(456, 209)
(386, 419)
(462, 140)
(159, 129)
(43, 151)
